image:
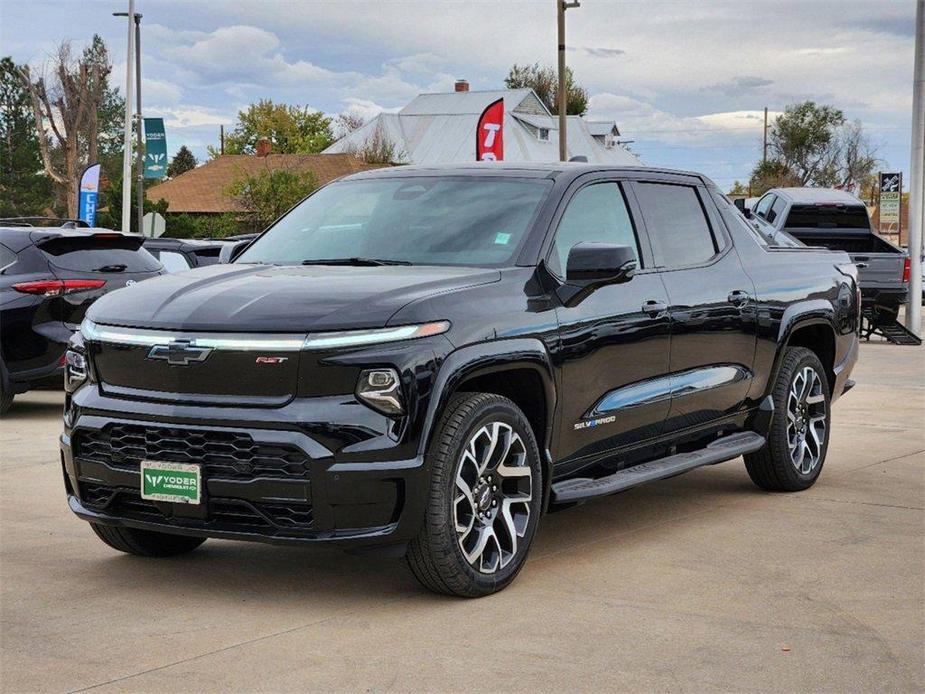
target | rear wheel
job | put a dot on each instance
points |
(145, 543)
(484, 500)
(797, 443)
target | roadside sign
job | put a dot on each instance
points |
(155, 148)
(489, 133)
(89, 194)
(891, 190)
(153, 225)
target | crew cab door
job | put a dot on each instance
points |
(614, 343)
(712, 302)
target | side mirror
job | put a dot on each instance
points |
(740, 204)
(593, 265)
(232, 250)
(600, 263)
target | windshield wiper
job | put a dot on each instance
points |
(112, 268)
(355, 261)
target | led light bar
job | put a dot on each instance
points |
(357, 338)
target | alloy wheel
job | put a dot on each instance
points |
(492, 495)
(806, 415)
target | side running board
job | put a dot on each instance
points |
(719, 451)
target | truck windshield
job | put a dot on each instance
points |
(827, 217)
(419, 220)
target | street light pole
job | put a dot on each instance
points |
(139, 157)
(127, 139)
(917, 177)
(561, 7)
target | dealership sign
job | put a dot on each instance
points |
(155, 148)
(489, 134)
(891, 188)
(89, 194)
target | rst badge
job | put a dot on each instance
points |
(271, 360)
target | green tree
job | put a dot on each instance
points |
(738, 190)
(803, 138)
(74, 113)
(110, 114)
(109, 214)
(544, 80)
(772, 174)
(182, 161)
(23, 190)
(291, 129)
(263, 197)
(202, 226)
(813, 145)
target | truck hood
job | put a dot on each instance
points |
(270, 298)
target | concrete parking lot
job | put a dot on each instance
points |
(697, 583)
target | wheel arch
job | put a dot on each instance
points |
(518, 369)
(812, 327)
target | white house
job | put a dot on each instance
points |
(440, 129)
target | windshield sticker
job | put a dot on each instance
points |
(502, 239)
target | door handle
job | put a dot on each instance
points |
(738, 298)
(654, 308)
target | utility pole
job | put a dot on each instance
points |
(917, 176)
(127, 140)
(139, 157)
(764, 150)
(561, 7)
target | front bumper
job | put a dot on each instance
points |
(266, 485)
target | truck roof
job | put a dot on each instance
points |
(815, 196)
(517, 169)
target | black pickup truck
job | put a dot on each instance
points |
(422, 361)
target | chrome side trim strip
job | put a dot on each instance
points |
(674, 385)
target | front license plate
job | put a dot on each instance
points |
(174, 482)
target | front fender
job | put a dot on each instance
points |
(487, 358)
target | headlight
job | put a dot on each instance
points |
(381, 390)
(357, 338)
(75, 369)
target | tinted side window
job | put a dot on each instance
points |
(776, 209)
(596, 213)
(678, 229)
(761, 209)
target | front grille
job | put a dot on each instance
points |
(222, 454)
(223, 514)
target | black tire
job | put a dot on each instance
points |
(6, 400)
(885, 314)
(145, 543)
(773, 468)
(435, 556)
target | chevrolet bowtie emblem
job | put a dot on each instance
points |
(180, 353)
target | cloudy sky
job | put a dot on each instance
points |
(686, 81)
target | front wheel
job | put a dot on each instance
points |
(799, 437)
(485, 498)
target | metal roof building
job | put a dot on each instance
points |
(440, 129)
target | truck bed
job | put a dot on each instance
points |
(881, 264)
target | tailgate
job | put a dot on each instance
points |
(880, 270)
